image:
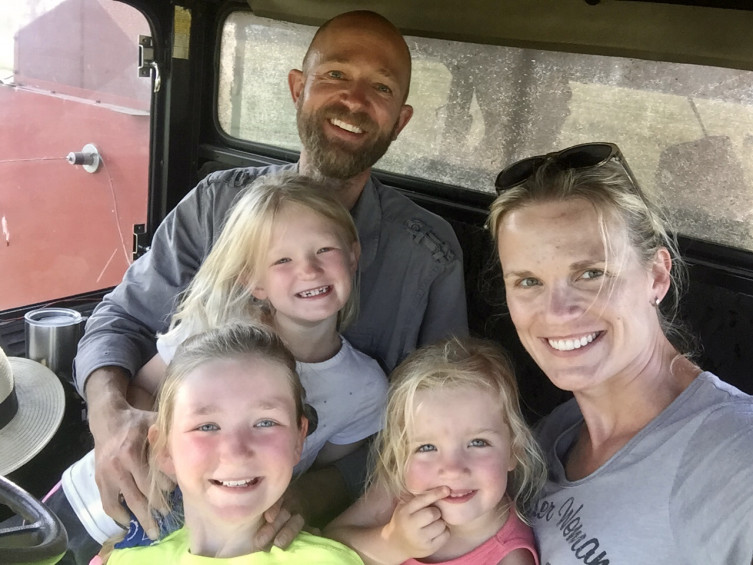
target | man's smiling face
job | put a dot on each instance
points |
(350, 96)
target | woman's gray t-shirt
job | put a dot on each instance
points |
(679, 492)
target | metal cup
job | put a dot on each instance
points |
(52, 336)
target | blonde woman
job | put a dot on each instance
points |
(651, 461)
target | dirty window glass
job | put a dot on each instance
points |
(686, 130)
(69, 84)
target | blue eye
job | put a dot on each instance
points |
(478, 443)
(336, 74)
(528, 282)
(208, 428)
(383, 88)
(281, 261)
(265, 424)
(592, 274)
(425, 448)
(325, 249)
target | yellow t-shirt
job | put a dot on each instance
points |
(306, 549)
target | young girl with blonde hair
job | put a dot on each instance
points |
(230, 427)
(456, 465)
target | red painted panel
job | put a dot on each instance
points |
(70, 231)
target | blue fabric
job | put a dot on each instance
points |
(136, 535)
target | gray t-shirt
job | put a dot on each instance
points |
(678, 493)
(411, 276)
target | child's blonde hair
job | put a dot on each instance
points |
(457, 363)
(221, 290)
(232, 341)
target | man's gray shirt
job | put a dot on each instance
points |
(411, 276)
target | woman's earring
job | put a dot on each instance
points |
(656, 301)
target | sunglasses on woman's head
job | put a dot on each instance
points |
(581, 156)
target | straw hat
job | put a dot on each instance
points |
(32, 403)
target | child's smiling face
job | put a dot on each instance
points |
(460, 439)
(234, 439)
(309, 270)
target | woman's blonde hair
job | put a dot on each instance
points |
(457, 363)
(618, 201)
(238, 341)
(221, 290)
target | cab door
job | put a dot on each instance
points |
(74, 175)
(74, 146)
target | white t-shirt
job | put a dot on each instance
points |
(349, 394)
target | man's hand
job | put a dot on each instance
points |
(416, 526)
(120, 433)
(284, 523)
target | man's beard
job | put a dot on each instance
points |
(332, 158)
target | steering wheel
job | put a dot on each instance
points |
(41, 539)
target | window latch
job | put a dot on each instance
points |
(140, 240)
(147, 65)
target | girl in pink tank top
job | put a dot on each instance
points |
(456, 465)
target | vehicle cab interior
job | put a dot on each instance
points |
(113, 110)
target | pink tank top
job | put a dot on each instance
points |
(514, 534)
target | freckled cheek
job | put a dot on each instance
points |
(522, 316)
(192, 459)
(279, 450)
(196, 450)
(490, 474)
(420, 476)
(281, 272)
(496, 468)
(339, 264)
(518, 312)
(285, 451)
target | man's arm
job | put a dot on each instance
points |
(150, 377)
(319, 495)
(121, 330)
(120, 337)
(119, 432)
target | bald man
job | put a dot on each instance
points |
(350, 99)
